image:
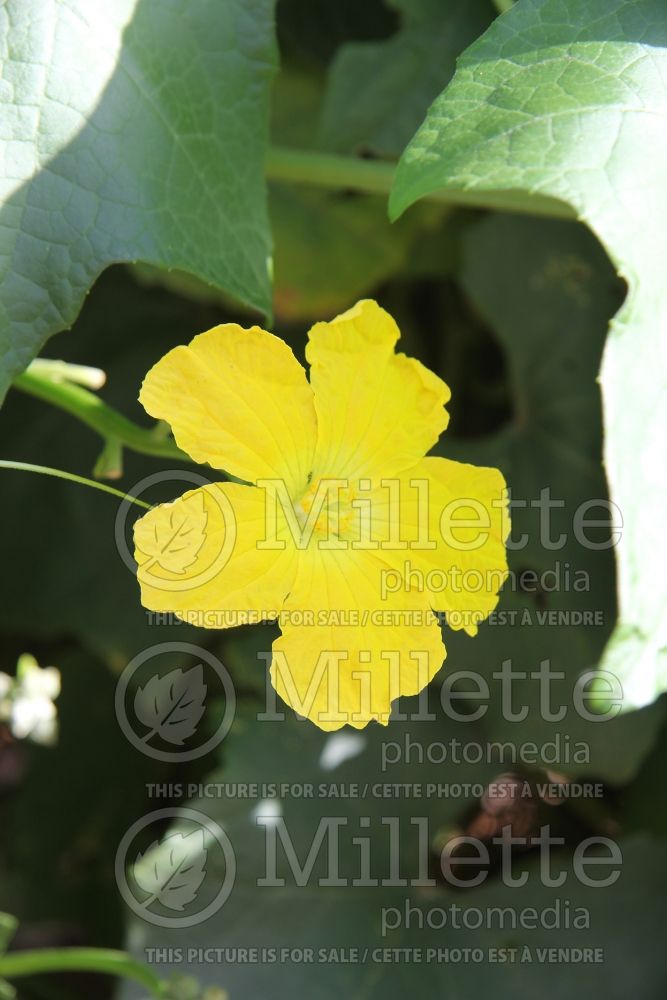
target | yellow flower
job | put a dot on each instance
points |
(349, 536)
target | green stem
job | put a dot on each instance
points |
(329, 170)
(60, 474)
(95, 413)
(105, 960)
(502, 6)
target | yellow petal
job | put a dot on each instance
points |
(203, 557)
(378, 412)
(239, 400)
(345, 654)
(442, 526)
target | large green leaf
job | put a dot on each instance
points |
(379, 91)
(548, 301)
(567, 99)
(333, 921)
(134, 130)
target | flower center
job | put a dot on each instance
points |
(327, 507)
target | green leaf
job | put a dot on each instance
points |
(134, 130)
(566, 99)
(331, 247)
(548, 301)
(378, 92)
(288, 769)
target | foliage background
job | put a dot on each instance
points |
(511, 309)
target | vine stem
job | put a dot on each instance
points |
(96, 414)
(44, 470)
(105, 960)
(330, 170)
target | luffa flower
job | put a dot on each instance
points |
(348, 535)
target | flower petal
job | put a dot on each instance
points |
(345, 653)
(442, 526)
(201, 557)
(377, 411)
(239, 400)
